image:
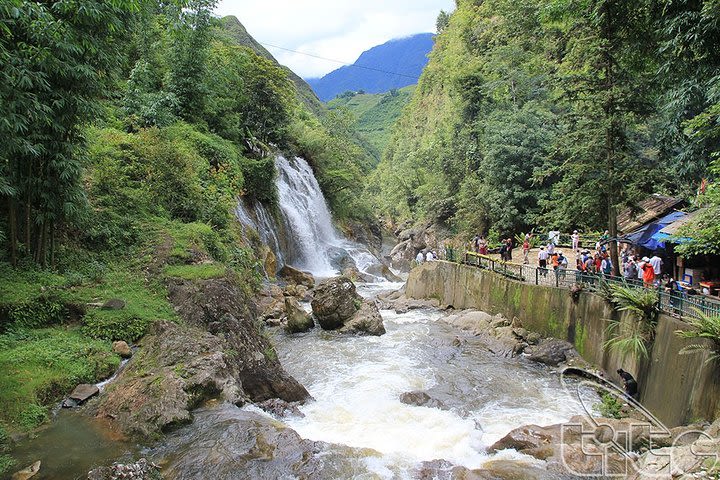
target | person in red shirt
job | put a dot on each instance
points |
(648, 272)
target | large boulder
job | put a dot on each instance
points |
(367, 320)
(176, 369)
(567, 448)
(298, 320)
(297, 277)
(552, 351)
(122, 348)
(335, 300)
(220, 307)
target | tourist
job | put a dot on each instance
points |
(542, 260)
(575, 240)
(657, 263)
(503, 250)
(671, 288)
(419, 258)
(630, 269)
(476, 243)
(509, 249)
(629, 384)
(550, 248)
(606, 265)
(554, 261)
(526, 250)
(648, 272)
(483, 246)
(562, 265)
(429, 257)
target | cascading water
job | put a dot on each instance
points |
(310, 242)
(316, 245)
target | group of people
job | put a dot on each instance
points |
(425, 256)
(548, 257)
(648, 270)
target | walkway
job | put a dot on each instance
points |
(678, 304)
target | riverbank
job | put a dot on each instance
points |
(678, 389)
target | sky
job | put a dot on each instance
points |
(334, 29)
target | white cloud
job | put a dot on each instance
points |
(338, 30)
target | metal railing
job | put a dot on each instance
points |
(678, 303)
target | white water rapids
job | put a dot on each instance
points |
(357, 382)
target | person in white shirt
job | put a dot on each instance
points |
(575, 240)
(429, 257)
(420, 258)
(656, 262)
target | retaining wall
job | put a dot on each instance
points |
(678, 389)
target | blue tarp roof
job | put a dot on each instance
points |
(646, 236)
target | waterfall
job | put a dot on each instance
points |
(310, 241)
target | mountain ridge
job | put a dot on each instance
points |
(394, 64)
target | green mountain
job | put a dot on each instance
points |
(543, 115)
(231, 29)
(375, 114)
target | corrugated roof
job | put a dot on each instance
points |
(652, 208)
(674, 227)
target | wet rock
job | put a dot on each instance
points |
(420, 399)
(221, 302)
(274, 310)
(113, 304)
(335, 301)
(298, 277)
(69, 403)
(367, 320)
(552, 351)
(281, 408)
(298, 320)
(83, 392)
(122, 348)
(27, 472)
(228, 443)
(140, 470)
(269, 261)
(340, 259)
(567, 448)
(176, 369)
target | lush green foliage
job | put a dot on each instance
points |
(39, 366)
(375, 114)
(609, 407)
(632, 337)
(56, 57)
(707, 327)
(556, 113)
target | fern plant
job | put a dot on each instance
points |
(704, 326)
(643, 307)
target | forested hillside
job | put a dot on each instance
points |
(130, 128)
(375, 114)
(557, 113)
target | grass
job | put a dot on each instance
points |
(39, 366)
(201, 271)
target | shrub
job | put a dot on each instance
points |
(609, 407)
(704, 326)
(40, 312)
(643, 307)
(115, 325)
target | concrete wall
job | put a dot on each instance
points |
(678, 389)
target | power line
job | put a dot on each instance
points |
(346, 64)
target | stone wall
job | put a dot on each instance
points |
(676, 388)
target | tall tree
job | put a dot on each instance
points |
(605, 76)
(57, 59)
